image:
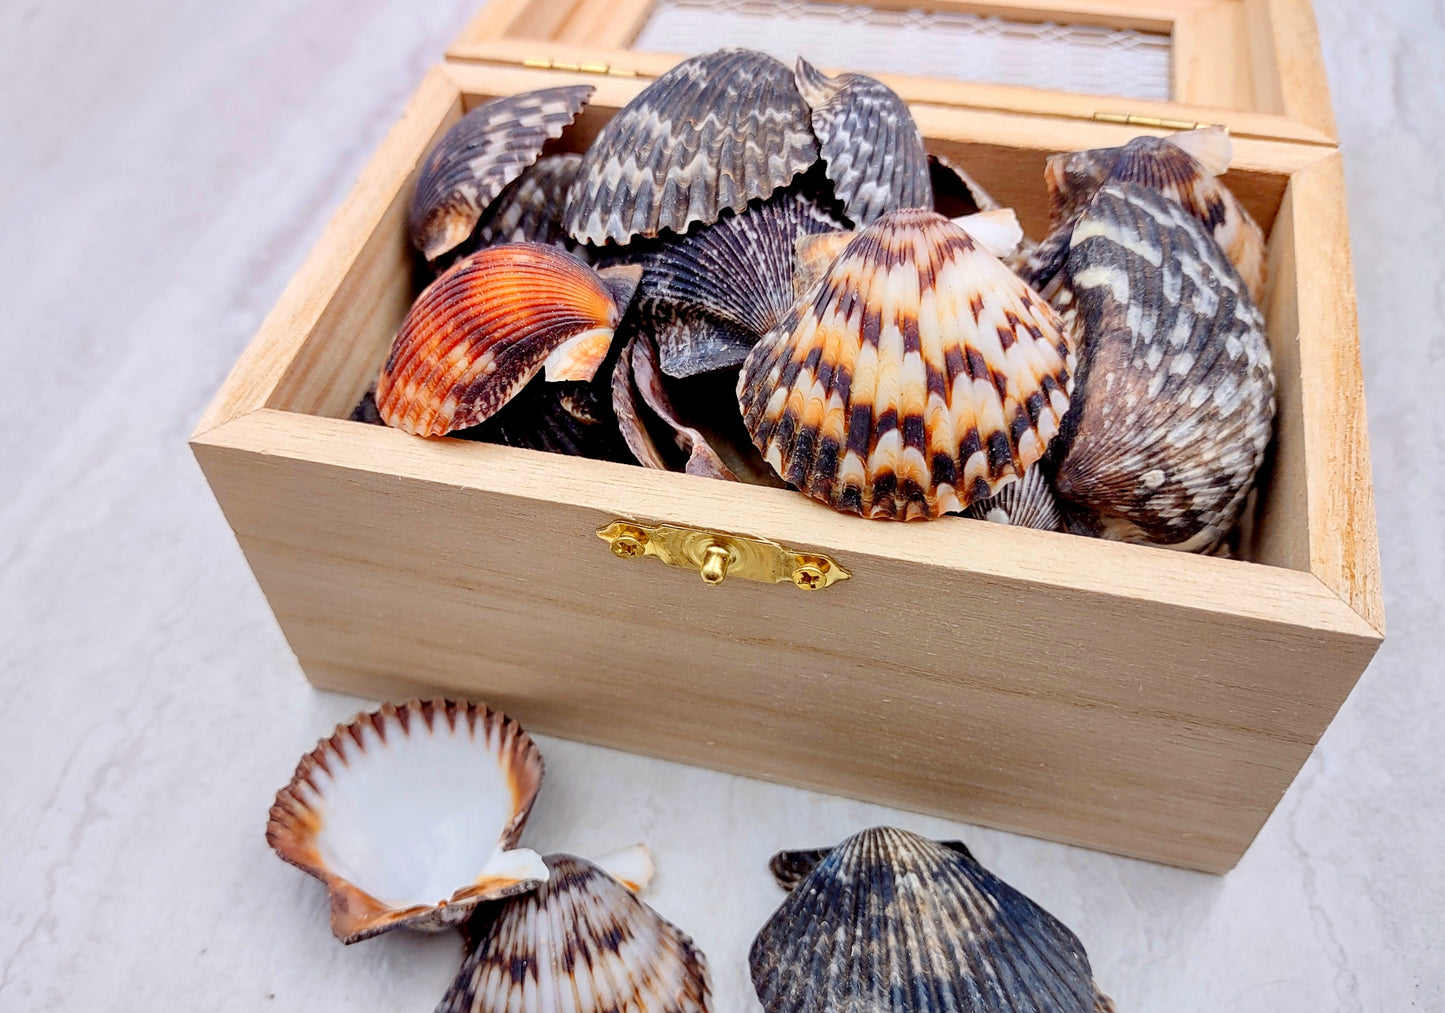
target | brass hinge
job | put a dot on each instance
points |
(546, 63)
(717, 555)
(1135, 120)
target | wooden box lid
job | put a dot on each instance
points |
(1253, 65)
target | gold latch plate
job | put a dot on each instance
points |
(716, 555)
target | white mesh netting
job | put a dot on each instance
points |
(964, 47)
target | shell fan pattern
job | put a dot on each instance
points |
(529, 210)
(488, 325)
(887, 908)
(713, 133)
(486, 150)
(919, 377)
(581, 942)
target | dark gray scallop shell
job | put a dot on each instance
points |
(568, 417)
(636, 376)
(870, 145)
(711, 295)
(1027, 503)
(789, 868)
(713, 133)
(529, 210)
(891, 922)
(1174, 401)
(486, 150)
(580, 942)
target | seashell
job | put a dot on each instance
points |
(478, 333)
(1175, 397)
(709, 296)
(955, 192)
(529, 210)
(409, 815)
(1028, 503)
(580, 942)
(568, 417)
(919, 376)
(637, 375)
(870, 145)
(487, 149)
(1170, 166)
(712, 133)
(891, 922)
(365, 410)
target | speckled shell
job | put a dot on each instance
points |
(409, 814)
(1164, 165)
(713, 133)
(530, 209)
(1027, 503)
(487, 149)
(890, 922)
(869, 143)
(636, 376)
(478, 333)
(584, 944)
(1175, 401)
(917, 378)
(710, 296)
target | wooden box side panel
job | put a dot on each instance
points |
(1144, 727)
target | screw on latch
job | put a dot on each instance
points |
(630, 544)
(809, 577)
(715, 560)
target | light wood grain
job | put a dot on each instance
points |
(1289, 69)
(1210, 61)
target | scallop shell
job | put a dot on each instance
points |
(1169, 165)
(478, 333)
(409, 814)
(871, 147)
(583, 943)
(529, 210)
(711, 295)
(714, 132)
(919, 377)
(487, 149)
(1027, 503)
(637, 375)
(1175, 397)
(890, 922)
(573, 418)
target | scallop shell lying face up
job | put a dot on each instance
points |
(890, 922)
(920, 376)
(581, 943)
(409, 815)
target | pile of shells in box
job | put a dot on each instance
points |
(751, 275)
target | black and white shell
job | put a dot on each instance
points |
(891, 922)
(530, 209)
(870, 145)
(581, 942)
(1174, 401)
(713, 133)
(487, 149)
(711, 295)
(1028, 503)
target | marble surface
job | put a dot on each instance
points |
(164, 167)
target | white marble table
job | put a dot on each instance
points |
(163, 169)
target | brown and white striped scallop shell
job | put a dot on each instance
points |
(580, 943)
(870, 145)
(712, 133)
(530, 209)
(1175, 398)
(918, 377)
(478, 333)
(487, 149)
(410, 814)
(1185, 168)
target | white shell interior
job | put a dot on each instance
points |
(415, 818)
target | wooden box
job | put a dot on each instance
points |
(1137, 700)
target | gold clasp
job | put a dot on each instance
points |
(717, 555)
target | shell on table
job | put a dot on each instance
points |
(871, 148)
(1184, 167)
(483, 329)
(410, 815)
(711, 134)
(486, 150)
(580, 942)
(1175, 399)
(530, 209)
(919, 376)
(887, 907)
(1028, 503)
(709, 296)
